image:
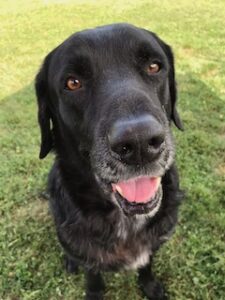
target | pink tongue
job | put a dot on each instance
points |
(139, 190)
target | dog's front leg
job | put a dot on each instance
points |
(150, 286)
(71, 265)
(94, 286)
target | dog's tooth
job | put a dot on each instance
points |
(119, 190)
(158, 181)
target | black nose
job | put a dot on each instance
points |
(137, 140)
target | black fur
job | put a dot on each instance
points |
(92, 228)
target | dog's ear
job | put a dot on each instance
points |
(173, 90)
(44, 114)
(174, 116)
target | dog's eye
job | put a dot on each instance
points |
(153, 68)
(73, 84)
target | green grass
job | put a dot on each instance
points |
(192, 263)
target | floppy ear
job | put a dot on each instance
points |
(172, 83)
(173, 90)
(44, 114)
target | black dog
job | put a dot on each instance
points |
(106, 99)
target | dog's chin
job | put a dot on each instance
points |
(149, 208)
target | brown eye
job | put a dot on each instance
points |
(73, 84)
(153, 68)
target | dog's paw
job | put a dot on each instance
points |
(154, 290)
(71, 266)
(94, 296)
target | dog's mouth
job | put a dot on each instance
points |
(141, 195)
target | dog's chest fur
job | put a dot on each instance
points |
(125, 245)
(138, 250)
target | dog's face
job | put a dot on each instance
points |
(110, 95)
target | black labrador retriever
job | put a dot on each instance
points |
(106, 98)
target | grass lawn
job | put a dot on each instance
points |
(192, 263)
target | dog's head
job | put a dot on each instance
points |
(107, 96)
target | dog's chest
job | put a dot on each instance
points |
(124, 244)
(131, 248)
(139, 261)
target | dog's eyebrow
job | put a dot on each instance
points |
(146, 50)
(80, 64)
